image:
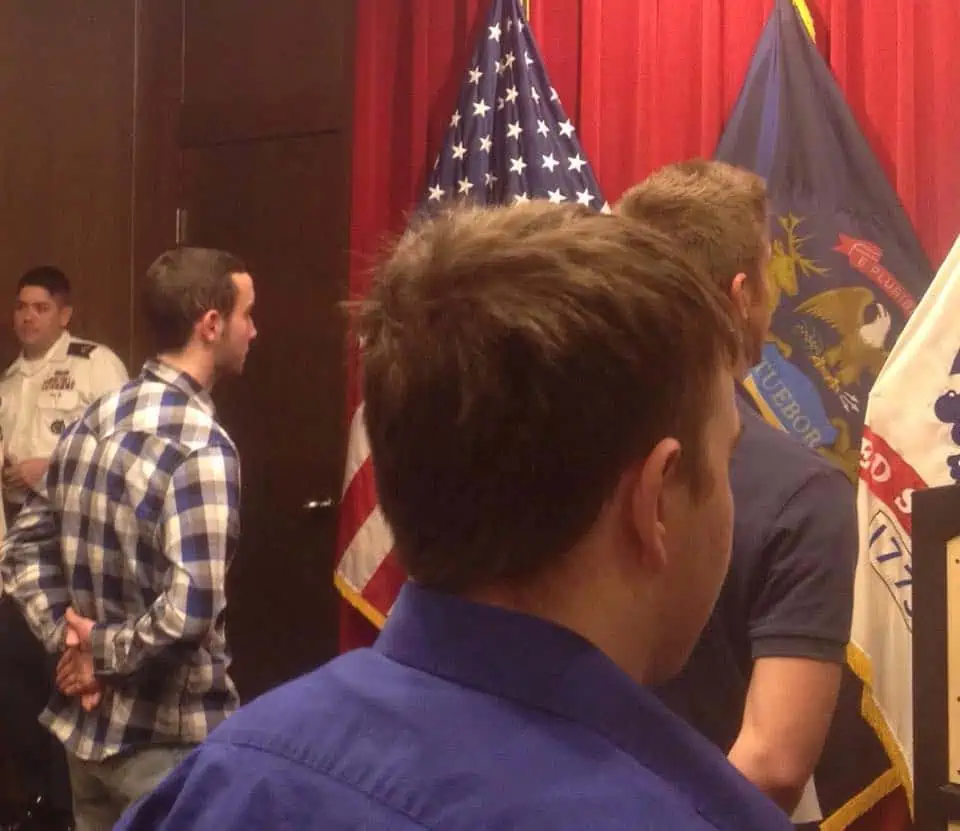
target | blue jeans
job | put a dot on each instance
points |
(102, 791)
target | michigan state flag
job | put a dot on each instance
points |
(846, 272)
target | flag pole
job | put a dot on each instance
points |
(804, 11)
(526, 9)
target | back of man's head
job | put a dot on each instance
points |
(715, 212)
(50, 278)
(516, 362)
(182, 285)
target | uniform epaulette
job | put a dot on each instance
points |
(80, 348)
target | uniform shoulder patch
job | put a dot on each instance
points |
(80, 348)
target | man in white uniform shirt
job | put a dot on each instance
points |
(50, 385)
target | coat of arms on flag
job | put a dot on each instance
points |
(846, 273)
(847, 268)
(508, 140)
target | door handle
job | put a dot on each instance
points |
(315, 506)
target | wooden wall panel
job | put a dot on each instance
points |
(265, 134)
(257, 70)
(66, 156)
(157, 180)
(101, 103)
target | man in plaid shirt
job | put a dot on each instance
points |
(120, 561)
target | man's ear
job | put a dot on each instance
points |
(651, 489)
(65, 315)
(210, 326)
(740, 294)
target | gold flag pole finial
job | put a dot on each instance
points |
(804, 11)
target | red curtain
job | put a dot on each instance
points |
(649, 83)
(410, 58)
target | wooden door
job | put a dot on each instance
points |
(280, 205)
(264, 134)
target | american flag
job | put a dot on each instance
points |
(509, 140)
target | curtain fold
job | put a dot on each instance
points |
(409, 57)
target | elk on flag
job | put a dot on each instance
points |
(508, 140)
(845, 275)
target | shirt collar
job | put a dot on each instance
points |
(189, 386)
(534, 662)
(55, 354)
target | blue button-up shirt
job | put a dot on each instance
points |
(462, 716)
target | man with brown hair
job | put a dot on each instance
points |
(557, 488)
(763, 681)
(119, 560)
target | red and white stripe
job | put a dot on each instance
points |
(367, 573)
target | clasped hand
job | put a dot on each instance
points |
(75, 676)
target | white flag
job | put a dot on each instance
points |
(911, 440)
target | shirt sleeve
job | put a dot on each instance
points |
(198, 533)
(107, 372)
(31, 568)
(804, 606)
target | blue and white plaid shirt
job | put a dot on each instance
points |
(135, 529)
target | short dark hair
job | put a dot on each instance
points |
(715, 211)
(50, 278)
(516, 361)
(183, 285)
